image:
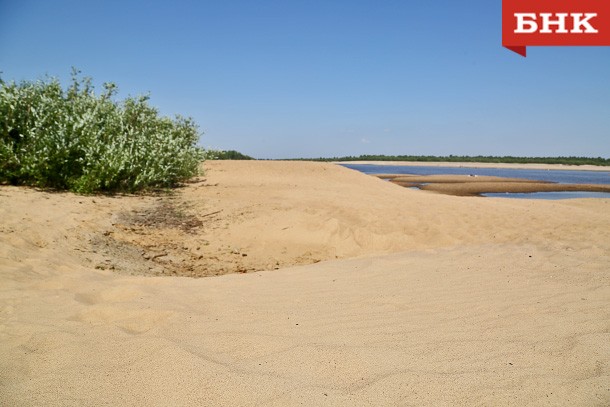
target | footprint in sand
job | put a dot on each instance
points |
(133, 321)
(111, 295)
(102, 309)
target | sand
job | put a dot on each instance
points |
(474, 185)
(369, 294)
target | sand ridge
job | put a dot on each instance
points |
(475, 185)
(433, 300)
(286, 215)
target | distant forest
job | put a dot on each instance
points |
(226, 155)
(479, 159)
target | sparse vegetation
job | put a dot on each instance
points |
(76, 140)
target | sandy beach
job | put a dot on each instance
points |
(323, 286)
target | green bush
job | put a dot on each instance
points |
(76, 140)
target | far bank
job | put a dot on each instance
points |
(481, 165)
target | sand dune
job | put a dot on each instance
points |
(383, 296)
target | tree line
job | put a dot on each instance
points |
(478, 158)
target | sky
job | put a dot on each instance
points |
(305, 79)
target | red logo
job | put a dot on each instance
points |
(554, 22)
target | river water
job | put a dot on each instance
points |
(559, 176)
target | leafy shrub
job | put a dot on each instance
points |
(73, 139)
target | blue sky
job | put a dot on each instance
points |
(285, 79)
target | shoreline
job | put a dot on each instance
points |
(550, 167)
(465, 185)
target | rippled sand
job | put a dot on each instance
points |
(366, 294)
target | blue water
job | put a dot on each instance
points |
(550, 195)
(559, 176)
